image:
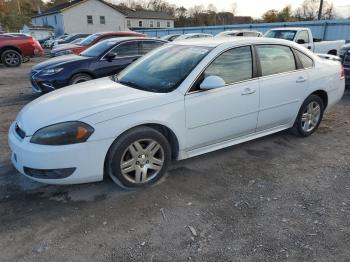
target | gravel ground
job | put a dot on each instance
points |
(279, 198)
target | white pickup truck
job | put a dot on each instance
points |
(304, 37)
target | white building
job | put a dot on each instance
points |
(91, 16)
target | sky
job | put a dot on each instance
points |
(256, 8)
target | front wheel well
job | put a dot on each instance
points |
(332, 52)
(5, 48)
(323, 95)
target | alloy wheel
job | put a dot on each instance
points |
(311, 116)
(12, 59)
(142, 161)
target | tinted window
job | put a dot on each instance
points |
(283, 34)
(127, 49)
(149, 45)
(275, 59)
(233, 65)
(306, 61)
(98, 49)
(164, 69)
(250, 34)
(89, 39)
(303, 35)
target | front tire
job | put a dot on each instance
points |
(139, 158)
(11, 58)
(309, 117)
(80, 78)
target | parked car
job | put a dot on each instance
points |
(74, 42)
(170, 38)
(49, 43)
(346, 63)
(248, 33)
(181, 100)
(90, 41)
(42, 41)
(69, 39)
(191, 36)
(343, 50)
(304, 37)
(103, 59)
(14, 48)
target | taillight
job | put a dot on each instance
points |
(342, 73)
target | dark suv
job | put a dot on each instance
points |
(346, 63)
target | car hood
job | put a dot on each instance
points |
(67, 46)
(85, 99)
(60, 60)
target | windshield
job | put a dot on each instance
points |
(283, 34)
(98, 49)
(89, 40)
(164, 69)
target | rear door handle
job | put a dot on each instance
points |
(248, 91)
(300, 80)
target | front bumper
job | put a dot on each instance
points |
(87, 159)
(45, 84)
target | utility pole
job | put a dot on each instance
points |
(320, 10)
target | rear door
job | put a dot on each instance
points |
(282, 86)
(125, 54)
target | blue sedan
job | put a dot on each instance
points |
(103, 59)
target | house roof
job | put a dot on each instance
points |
(146, 14)
(60, 7)
(129, 13)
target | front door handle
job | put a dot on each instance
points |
(300, 80)
(248, 91)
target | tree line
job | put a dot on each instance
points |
(15, 13)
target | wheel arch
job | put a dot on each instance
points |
(10, 47)
(323, 95)
(86, 72)
(332, 52)
(166, 131)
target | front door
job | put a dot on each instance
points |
(125, 54)
(227, 112)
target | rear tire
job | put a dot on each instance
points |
(11, 58)
(309, 117)
(139, 158)
(80, 78)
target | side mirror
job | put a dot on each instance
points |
(211, 82)
(301, 41)
(110, 56)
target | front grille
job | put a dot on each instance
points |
(20, 132)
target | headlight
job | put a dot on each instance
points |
(63, 52)
(63, 134)
(51, 71)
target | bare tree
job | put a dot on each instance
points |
(234, 8)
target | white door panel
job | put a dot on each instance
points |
(280, 98)
(223, 113)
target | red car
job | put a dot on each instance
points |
(90, 41)
(13, 48)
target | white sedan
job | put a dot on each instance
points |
(181, 100)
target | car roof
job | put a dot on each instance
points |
(123, 39)
(216, 41)
(120, 33)
(289, 28)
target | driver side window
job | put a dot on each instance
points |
(126, 49)
(304, 36)
(233, 65)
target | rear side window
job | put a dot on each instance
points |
(306, 61)
(275, 59)
(148, 46)
(127, 49)
(233, 65)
